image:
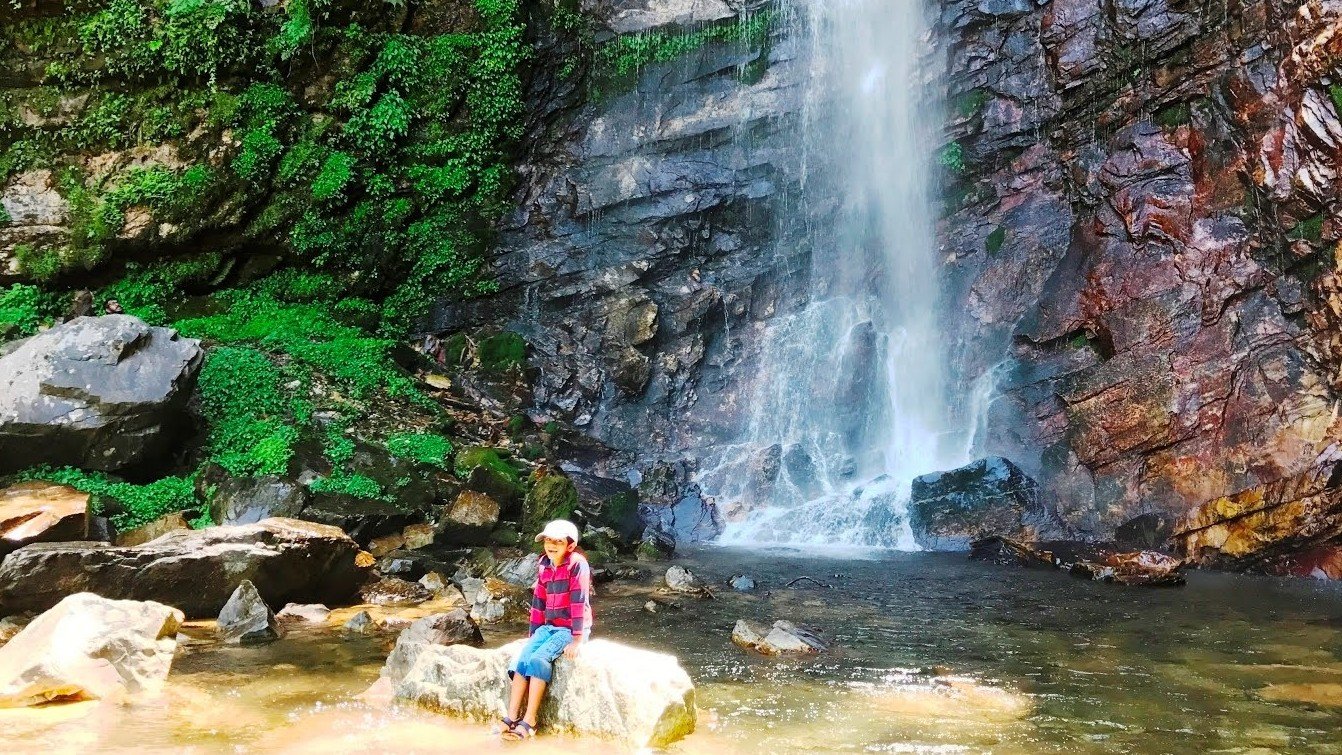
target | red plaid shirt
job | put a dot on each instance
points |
(563, 596)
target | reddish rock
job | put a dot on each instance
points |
(41, 512)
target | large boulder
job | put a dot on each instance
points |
(469, 519)
(985, 498)
(637, 697)
(455, 627)
(552, 496)
(608, 503)
(194, 570)
(88, 647)
(41, 512)
(99, 393)
(246, 500)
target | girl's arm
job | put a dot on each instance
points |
(580, 592)
(537, 607)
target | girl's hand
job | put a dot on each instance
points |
(571, 650)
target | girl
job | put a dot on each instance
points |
(561, 620)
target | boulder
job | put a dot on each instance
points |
(246, 500)
(655, 546)
(452, 628)
(304, 613)
(552, 496)
(363, 519)
(194, 570)
(469, 519)
(361, 623)
(246, 619)
(41, 512)
(608, 503)
(88, 647)
(783, 638)
(100, 393)
(153, 530)
(417, 536)
(9, 627)
(992, 496)
(498, 601)
(680, 579)
(637, 697)
(690, 519)
(1146, 568)
(518, 570)
(393, 591)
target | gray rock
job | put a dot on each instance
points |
(451, 628)
(783, 638)
(246, 500)
(521, 570)
(246, 619)
(393, 591)
(304, 613)
(988, 497)
(99, 393)
(361, 622)
(680, 579)
(742, 583)
(469, 519)
(196, 571)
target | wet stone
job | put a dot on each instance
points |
(246, 619)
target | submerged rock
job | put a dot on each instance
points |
(41, 512)
(361, 622)
(246, 619)
(89, 648)
(393, 591)
(742, 583)
(304, 613)
(783, 638)
(636, 697)
(193, 570)
(1090, 560)
(992, 496)
(100, 393)
(1141, 568)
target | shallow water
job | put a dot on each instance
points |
(1036, 662)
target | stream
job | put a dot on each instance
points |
(1028, 662)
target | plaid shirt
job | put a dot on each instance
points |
(563, 596)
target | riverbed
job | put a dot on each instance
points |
(931, 653)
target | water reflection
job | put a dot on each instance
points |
(1033, 662)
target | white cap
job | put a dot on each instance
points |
(558, 530)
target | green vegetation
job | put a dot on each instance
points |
(621, 58)
(21, 310)
(1173, 116)
(425, 448)
(251, 419)
(500, 352)
(480, 456)
(130, 505)
(1310, 229)
(952, 157)
(1335, 93)
(968, 104)
(994, 242)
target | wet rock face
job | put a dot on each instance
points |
(1143, 234)
(949, 510)
(102, 393)
(643, 254)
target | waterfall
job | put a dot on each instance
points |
(851, 402)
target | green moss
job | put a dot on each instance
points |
(426, 448)
(952, 157)
(1335, 93)
(1175, 115)
(1310, 229)
(628, 53)
(39, 264)
(994, 242)
(551, 497)
(135, 505)
(482, 456)
(968, 104)
(500, 352)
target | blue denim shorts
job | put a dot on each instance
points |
(537, 658)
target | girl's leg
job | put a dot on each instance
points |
(541, 666)
(535, 693)
(519, 693)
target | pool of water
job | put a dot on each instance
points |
(1025, 662)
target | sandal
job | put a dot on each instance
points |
(507, 723)
(519, 731)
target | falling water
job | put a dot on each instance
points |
(851, 404)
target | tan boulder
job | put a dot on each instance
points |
(35, 512)
(639, 698)
(88, 647)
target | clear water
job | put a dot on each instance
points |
(850, 393)
(1036, 662)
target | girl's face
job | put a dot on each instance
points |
(556, 549)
